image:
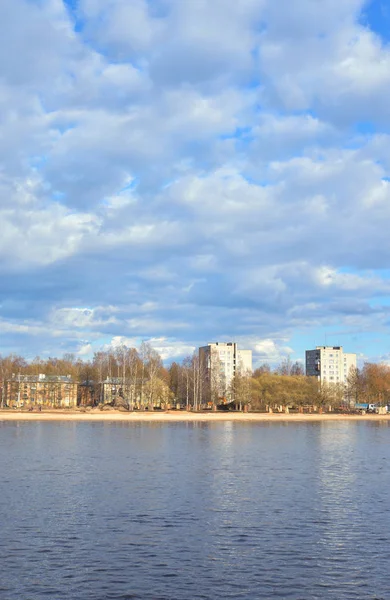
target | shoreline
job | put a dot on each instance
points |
(180, 416)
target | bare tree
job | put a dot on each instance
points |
(186, 379)
(241, 388)
(217, 387)
(152, 365)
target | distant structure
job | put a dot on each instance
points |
(117, 391)
(224, 360)
(52, 391)
(330, 364)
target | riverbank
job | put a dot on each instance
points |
(177, 416)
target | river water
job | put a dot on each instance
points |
(194, 510)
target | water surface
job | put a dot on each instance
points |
(181, 511)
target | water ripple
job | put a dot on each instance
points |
(178, 512)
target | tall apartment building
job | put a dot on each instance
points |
(223, 360)
(330, 364)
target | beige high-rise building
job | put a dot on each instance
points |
(223, 360)
(330, 364)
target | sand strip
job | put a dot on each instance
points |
(172, 416)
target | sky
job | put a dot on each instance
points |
(190, 171)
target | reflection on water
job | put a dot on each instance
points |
(194, 510)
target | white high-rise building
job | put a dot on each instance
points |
(330, 364)
(223, 360)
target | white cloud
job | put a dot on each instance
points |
(42, 236)
(269, 351)
(207, 168)
(323, 58)
(85, 350)
(168, 348)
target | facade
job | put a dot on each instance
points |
(50, 391)
(223, 360)
(330, 364)
(117, 392)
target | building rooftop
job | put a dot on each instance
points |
(42, 378)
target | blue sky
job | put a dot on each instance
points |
(186, 172)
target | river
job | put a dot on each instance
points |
(182, 511)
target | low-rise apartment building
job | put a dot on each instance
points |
(51, 391)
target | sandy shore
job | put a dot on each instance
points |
(171, 416)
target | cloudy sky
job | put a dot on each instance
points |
(187, 171)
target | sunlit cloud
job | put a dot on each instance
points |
(192, 172)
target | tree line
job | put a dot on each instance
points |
(142, 374)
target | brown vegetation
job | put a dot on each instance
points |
(130, 378)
